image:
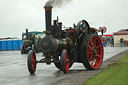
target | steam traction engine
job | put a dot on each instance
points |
(64, 47)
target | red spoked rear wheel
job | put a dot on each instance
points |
(31, 61)
(92, 52)
(95, 52)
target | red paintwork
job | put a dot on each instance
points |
(33, 62)
(67, 61)
(72, 31)
(108, 35)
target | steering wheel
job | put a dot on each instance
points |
(81, 31)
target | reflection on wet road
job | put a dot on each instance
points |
(13, 68)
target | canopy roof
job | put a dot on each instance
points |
(36, 32)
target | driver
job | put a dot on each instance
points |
(83, 25)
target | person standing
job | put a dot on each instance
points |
(124, 42)
(121, 41)
(112, 42)
(108, 41)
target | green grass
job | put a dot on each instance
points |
(115, 74)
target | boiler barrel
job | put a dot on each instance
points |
(52, 45)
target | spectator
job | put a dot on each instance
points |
(124, 42)
(108, 41)
(121, 41)
(112, 42)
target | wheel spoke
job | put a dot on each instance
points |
(90, 63)
(33, 67)
(98, 59)
(67, 61)
(98, 56)
(91, 48)
(98, 46)
(94, 43)
(89, 52)
(96, 63)
(32, 60)
(90, 58)
(95, 39)
(91, 42)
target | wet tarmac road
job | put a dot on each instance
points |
(13, 68)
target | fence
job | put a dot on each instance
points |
(10, 45)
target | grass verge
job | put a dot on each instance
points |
(115, 74)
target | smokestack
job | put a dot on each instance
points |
(48, 17)
(57, 3)
(27, 34)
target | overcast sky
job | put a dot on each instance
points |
(17, 15)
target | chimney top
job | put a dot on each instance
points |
(48, 7)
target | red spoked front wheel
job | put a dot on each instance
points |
(31, 61)
(92, 52)
(65, 63)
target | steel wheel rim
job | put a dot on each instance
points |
(33, 60)
(67, 61)
(95, 52)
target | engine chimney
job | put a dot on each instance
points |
(48, 16)
(27, 34)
